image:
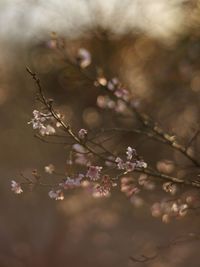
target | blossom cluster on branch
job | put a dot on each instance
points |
(101, 169)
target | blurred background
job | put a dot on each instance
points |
(154, 48)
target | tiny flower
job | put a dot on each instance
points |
(56, 194)
(82, 134)
(170, 187)
(94, 172)
(49, 168)
(16, 187)
(84, 57)
(120, 163)
(122, 94)
(129, 166)
(130, 152)
(141, 164)
(71, 183)
(103, 189)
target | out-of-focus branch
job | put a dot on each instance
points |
(182, 239)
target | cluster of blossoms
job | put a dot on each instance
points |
(68, 183)
(103, 188)
(71, 183)
(116, 87)
(131, 163)
(107, 102)
(82, 153)
(16, 187)
(130, 185)
(42, 122)
(168, 210)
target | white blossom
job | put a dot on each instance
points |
(49, 168)
(120, 163)
(130, 152)
(40, 122)
(16, 187)
(84, 57)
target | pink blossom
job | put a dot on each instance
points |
(82, 134)
(71, 183)
(122, 94)
(94, 172)
(129, 166)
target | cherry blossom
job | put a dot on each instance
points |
(41, 121)
(71, 183)
(82, 134)
(84, 58)
(103, 189)
(16, 187)
(49, 168)
(94, 172)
